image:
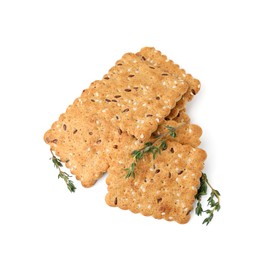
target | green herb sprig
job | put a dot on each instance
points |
(153, 148)
(63, 175)
(213, 200)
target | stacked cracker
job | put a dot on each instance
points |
(137, 99)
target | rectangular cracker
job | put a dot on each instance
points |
(156, 59)
(82, 140)
(136, 97)
(164, 187)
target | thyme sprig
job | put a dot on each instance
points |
(153, 148)
(63, 175)
(213, 200)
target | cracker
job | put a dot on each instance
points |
(136, 97)
(163, 188)
(156, 59)
(82, 140)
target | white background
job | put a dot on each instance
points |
(51, 50)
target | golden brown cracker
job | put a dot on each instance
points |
(164, 187)
(135, 96)
(82, 140)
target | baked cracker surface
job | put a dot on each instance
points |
(156, 59)
(135, 96)
(164, 187)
